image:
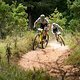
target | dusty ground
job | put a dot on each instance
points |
(52, 59)
(42, 58)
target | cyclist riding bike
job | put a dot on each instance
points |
(41, 38)
(43, 23)
(55, 28)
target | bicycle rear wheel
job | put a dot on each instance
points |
(36, 41)
(45, 42)
(61, 40)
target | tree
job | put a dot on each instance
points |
(74, 23)
(58, 18)
(75, 8)
(37, 7)
(20, 20)
(4, 18)
(13, 18)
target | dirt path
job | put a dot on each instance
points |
(41, 58)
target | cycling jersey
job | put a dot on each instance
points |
(42, 21)
(55, 28)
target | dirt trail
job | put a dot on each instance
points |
(41, 57)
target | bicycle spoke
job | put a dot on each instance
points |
(36, 42)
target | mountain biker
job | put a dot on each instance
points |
(43, 22)
(55, 28)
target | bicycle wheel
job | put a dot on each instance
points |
(36, 41)
(45, 42)
(61, 40)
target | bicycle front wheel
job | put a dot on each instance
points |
(61, 40)
(45, 41)
(36, 41)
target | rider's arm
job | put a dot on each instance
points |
(47, 21)
(52, 28)
(36, 22)
(48, 25)
(60, 27)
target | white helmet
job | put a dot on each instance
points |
(42, 16)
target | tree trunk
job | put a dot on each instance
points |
(30, 21)
(30, 18)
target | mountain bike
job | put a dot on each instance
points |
(41, 39)
(60, 39)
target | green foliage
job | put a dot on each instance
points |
(74, 58)
(19, 45)
(74, 22)
(75, 8)
(24, 44)
(13, 19)
(12, 72)
(74, 25)
(19, 15)
(69, 38)
(2, 49)
(4, 17)
(57, 17)
(74, 42)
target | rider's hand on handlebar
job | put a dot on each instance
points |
(34, 28)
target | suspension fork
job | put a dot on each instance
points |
(57, 36)
(41, 36)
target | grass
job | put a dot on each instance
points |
(2, 49)
(23, 45)
(74, 43)
(12, 72)
(18, 45)
(74, 58)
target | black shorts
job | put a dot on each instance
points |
(43, 25)
(55, 30)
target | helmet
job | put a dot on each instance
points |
(42, 16)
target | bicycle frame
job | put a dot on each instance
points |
(40, 32)
(39, 40)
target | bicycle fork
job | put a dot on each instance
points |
(41, 37)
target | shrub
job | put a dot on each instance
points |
(12, 72)
(58, 18)
(74, 58)
(13, 19)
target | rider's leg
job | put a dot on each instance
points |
(55, 32)
(41, 37)
(56, 35)
(44, 35)
(44, 31)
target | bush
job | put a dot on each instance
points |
(58, 18)
(12, 72)
(74, 25)
(74, 58)
(13, 19)
(19, 45)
